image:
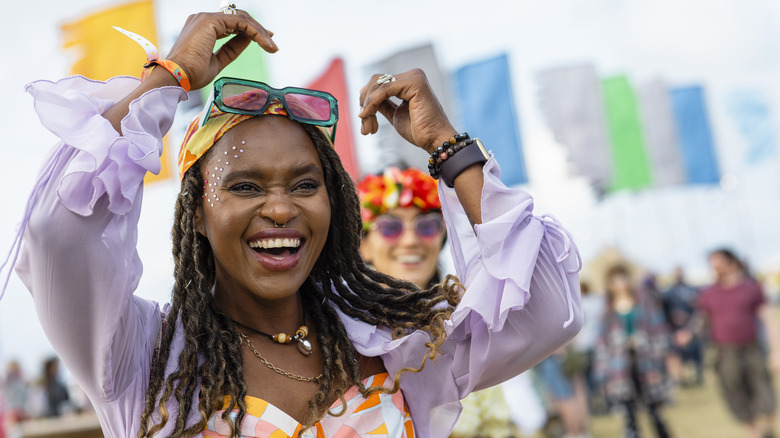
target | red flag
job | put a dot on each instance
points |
(334, 81)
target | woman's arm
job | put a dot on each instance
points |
(519, 270)
(78, 256)
(80, 228)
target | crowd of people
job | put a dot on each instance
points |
(641, 343)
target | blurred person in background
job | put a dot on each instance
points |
(736, 311)
(403, 236)
(55, 392)
(593, 305)
(563, 376)
(631, 354)
(15, 389)
(679, 303)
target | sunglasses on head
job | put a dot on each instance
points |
(426, 226)
(252, 98)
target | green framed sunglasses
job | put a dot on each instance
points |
(252, 98)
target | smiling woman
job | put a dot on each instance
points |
(266, 245)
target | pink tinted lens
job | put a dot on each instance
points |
(428, 226)
(244, 97)
(307, 107)
(389, 228)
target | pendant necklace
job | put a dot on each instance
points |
(276, 369)
(304, 346)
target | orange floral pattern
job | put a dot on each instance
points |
(380, 416)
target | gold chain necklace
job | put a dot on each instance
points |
(276, 368)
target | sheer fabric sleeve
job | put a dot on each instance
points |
(521, 303)
(78, 236)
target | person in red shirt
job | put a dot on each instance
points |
(736, 310)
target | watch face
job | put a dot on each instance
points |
(482, 148)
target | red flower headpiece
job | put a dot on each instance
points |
(397, 188)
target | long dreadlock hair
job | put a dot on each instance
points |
(211, 356)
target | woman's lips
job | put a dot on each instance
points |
(277, 249)
(278, 262)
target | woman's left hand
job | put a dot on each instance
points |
(419, 119)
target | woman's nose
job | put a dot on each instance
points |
(279, 208)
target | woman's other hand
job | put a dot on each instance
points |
(194, 48)
(419, 119)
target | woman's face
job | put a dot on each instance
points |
(620, 285)
(262, 171)
(408, 256)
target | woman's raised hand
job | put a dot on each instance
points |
(419, 119)
(194, 48)
(193, 51)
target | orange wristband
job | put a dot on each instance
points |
(173, 68)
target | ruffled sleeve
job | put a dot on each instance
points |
(78, 254)
(521, 303)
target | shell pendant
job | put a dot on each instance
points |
(304, 346)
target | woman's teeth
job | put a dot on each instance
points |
(275, 243)
(409, 258)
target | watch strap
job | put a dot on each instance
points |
(475, 153)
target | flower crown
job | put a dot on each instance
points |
(397, 188)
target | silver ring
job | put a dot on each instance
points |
(229, 9)
(277, 225)
(385, 78)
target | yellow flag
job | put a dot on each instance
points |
(103, 53)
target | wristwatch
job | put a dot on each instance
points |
(475, 153)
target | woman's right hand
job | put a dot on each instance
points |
(193, 50)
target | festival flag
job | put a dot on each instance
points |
(631, 168)
(394, 150)
(660, 134)
(104, 53)
(571, 101)
(334, 81)
(750, 111)
(694, 134)
(486, 103)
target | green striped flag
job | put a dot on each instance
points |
(631, 167)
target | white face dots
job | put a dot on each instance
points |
(214, 174)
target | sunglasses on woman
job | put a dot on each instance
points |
(252, 98)
(426, 226)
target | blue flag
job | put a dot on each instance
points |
(694, 135)
(484, 91)
(750, 111)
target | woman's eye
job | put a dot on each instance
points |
(307, 186)
(243, 187)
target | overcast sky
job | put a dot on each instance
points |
(720, 44)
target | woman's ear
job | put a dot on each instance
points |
(199, 220)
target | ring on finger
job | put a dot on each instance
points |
(385, 78)
(229, 9)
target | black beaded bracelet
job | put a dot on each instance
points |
(446, 150)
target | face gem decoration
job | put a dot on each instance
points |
(214, 197)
